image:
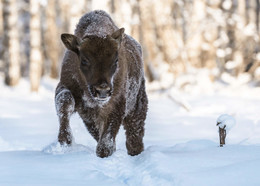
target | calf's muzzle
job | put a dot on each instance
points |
(102, 91)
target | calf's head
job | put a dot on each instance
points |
(98, 58)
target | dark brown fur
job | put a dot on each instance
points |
(100, 43)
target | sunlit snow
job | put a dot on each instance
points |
(181, 145)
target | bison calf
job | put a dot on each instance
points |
(102, 78)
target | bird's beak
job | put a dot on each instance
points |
(218, 123)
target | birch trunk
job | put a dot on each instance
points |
(77, 9)
(52, 38)
(1, 36)
(11, 42)
(64, 15)
(35, 44)
(1, 18)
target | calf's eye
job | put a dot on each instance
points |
(116, 62)
(85, 63)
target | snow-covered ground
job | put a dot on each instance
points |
(181, 147)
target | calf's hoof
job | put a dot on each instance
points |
(104, 150)
(65, 138)
(134, 150)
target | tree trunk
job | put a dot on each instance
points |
(1, 36)
(148, 67)
(24, 38)
(78, 8)
(11, 42)
(64, 15)
(257, 11)
(52, 38)
(222, 136)
(35, 44)
(1, 18)
(148, 39)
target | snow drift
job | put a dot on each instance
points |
(181, 147)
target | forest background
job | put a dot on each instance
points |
(178, 37)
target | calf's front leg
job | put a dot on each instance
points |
(107, 140)
(65, 105)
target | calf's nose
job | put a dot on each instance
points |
(103, 90)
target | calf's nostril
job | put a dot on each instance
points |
(102, 93)
(100, 88)
(103, 85)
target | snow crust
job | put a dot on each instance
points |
(181, 146)
(56, 148)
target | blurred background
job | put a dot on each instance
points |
(216, 40)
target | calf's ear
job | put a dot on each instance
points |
(118, 35)
(71, 42)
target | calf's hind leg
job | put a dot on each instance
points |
(134, 135)
(65, 105)
(134, 125)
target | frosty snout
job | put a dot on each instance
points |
(101, 92)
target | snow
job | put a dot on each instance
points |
(181, 147)
(227, 4)
(226, 121)
(221, 53)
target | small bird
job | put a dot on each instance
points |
(225, 122)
